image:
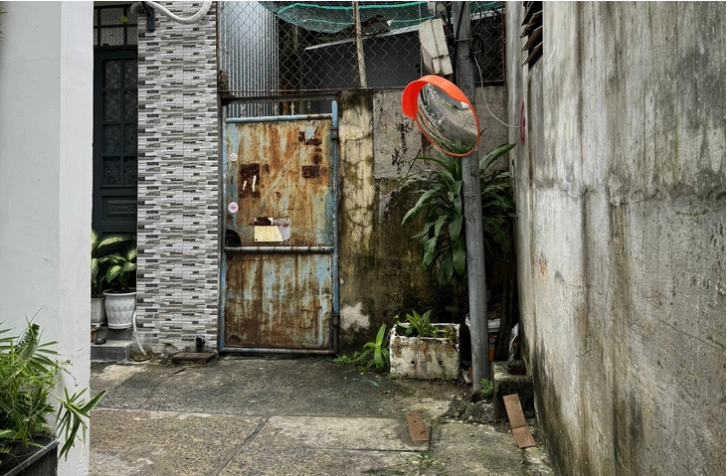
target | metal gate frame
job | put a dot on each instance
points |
(334, 250)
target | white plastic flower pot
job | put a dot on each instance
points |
(98, 311)
(120, 309)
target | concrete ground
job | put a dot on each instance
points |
(274, 416)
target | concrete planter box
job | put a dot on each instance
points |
(509, 378)
(425, 358)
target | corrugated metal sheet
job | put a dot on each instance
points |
(279, 244)
(249, 52)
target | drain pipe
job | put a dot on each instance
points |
(199, 344)
(335, 143)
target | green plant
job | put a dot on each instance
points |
(97, 258)
(375, 353)
(29, 371)
(354, 359)
(498, 207)
(120, 268)
(487, 389)
(417, 325)
(440, 201)
(424, 461)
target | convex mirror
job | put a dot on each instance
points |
(443, 113)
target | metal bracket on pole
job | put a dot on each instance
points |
(150, 17)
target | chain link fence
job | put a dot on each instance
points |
(272, 49)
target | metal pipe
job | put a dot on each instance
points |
(314, 95)
(359, 48)
(279, 351)
(281, 249)
(223, 231)
(297, 117)
(336, 318)
(472, 201)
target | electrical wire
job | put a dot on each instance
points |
(485, 101)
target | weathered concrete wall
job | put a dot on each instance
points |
(380, 268)
(620, 186)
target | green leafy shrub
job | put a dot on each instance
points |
(376, 351)
(374, 354)
(29, 371)
(440, 201)
(121, 265)
(487, 389)
(417, 325)
(97, 258)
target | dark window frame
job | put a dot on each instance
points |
(97, 27)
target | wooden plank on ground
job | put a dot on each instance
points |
(517, 421)
(417, 429)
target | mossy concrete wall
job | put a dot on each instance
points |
(620, 185)
(379, 267)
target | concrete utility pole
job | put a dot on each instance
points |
(474, 237)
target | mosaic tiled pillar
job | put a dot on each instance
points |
(178, 223)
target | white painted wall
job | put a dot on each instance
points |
(46, 79)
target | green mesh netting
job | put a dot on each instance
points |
(334, 17)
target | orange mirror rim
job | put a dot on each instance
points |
(410, 104)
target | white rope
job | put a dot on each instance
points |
(184, 21)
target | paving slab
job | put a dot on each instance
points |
(343, 433)
(495, 452)
(307, 416)
(306, 461)
(133, 442)
(269, 387)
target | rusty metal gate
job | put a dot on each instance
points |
(280, 257)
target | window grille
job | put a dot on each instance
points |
(114, 26)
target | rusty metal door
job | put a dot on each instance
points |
(280, 258)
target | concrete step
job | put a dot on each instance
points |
(115, 334)
(111, 351)
(120, 334)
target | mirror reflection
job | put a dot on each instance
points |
(448, 123)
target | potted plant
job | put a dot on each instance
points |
(29, 371)
(423, 350)
(121, 299)
(98, 314)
